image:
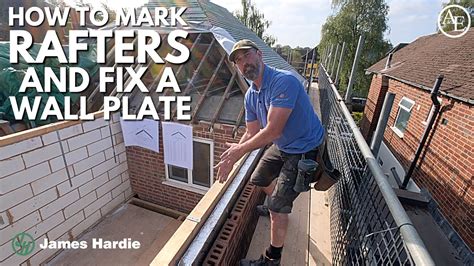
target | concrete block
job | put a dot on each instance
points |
(56, 163)
(11, 165)
(117, 170)
(88, 222)
(128, 193)
(118, 138)
(44, 254)
(24, 177)
(99, 146)
(66, 225)
(79, 205)
(6, 251)
(77, 181)
(116, 117)
(120, 188)
(123, 157)
(97, 204)
(21, 225)
(107, 187)
(59, 204)
(47, 225)
(33, 204)
(116, 128)
(70, 132)
(112, 205)
(119, 148)
(88, 163)
(4, 220)
(105, 132)
(84, 139)
(125, 176)
(15, 197)
(109, 153)
(49, 181)
(91, 125)
(8, 257)
(41, 155)
(65, 146)
(103, 167)
(76, 156)
(20, 147)
(93, 184)
(50, 138)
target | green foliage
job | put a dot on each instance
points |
(357, 116)
(252, 18)
(469, 4)
(351, 19)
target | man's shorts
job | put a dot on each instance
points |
(284, 167)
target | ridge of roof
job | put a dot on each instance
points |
(420, 62)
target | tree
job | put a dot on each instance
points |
(252, 18)
(353, 18)
(468, 4)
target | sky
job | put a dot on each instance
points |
(299, 22)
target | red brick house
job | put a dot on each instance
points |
(445, 168)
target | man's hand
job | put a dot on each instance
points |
(228, 159)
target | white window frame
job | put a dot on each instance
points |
(430, 113)
(400, 106)
(190, 185)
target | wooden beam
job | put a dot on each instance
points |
(188, 87)
(176, 246)
(223, 99)
(169, 92)
(5, 126)
(242, 83)
(239, 121)
(204, 94)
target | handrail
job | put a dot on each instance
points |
(412, 239)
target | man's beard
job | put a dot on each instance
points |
(251, 71)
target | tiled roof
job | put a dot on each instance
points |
(420, 62)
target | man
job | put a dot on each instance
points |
(278, 110)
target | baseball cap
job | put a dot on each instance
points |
(241, 45)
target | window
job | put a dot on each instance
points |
(200, 177)
(404, 112)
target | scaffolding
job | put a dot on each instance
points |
(368, 223)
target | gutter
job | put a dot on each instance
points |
(423, 87)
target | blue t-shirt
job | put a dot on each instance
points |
(303, 130)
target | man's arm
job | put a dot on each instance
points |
(252, 129)
(276, 121)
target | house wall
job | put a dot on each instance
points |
(445, 166)
(147, 170)
(35, 193)
(373, 106)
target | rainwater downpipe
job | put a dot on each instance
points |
(437, 107)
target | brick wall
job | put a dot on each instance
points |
(445, 166)
(373, 106)
(35, 193)
(147, 169)
(233, 240)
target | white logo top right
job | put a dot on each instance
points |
(454, 21)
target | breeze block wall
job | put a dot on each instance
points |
(147, 169)
(38, 198)
(445, 165)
